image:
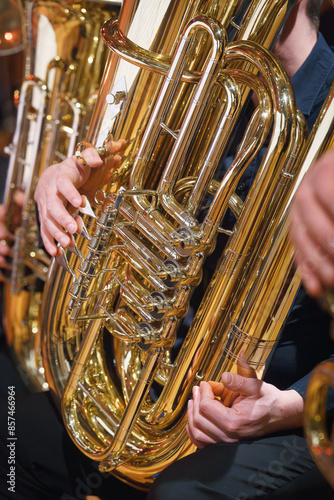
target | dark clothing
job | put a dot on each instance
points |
(277, 466)
(305, 339)
(271, 468)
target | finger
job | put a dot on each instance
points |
(92, 158)
(79, 223)
(18, 197)
(118, 146)
(52, 231)
(4, 248)
(310, 258)
(3, 232)
(318, 224)
(67, 189)
(220, 391)
(196, 435)
(208, 414)
(243, 385)
(48, 242)
(243, 367)
(114, 147)
(54, 212)
(323, 182)
(217, 388)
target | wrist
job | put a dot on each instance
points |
(290, 410)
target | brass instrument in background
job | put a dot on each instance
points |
(315, 425)
(65, 57)
(174, 89)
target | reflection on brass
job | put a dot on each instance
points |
(56, 102)
(124, 372)
(315, 425)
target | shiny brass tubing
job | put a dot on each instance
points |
(145, 227)
(17, 162)
(152, 263)
(263, 20)
(132, 53)
(222, 291)
(133, 407)
(315, 425)
(190, 122)
(253, 140)
(153, 129)
(138, 263)
(224, 129)
(274, 76)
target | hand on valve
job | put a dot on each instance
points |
(59, 187)
(256, 409)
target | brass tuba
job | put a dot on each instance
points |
(175, 88)
(64, 55)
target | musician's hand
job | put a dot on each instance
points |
(59, 186)
(257, 408)
(312, 226)
(4, 248)
(5, 236)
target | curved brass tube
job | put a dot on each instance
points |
(315, 426)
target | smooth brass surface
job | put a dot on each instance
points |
(112, 314)
(64, 63)
(315, 425)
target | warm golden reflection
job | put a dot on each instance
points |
(316, 429)
(111, 318)
(64, 63)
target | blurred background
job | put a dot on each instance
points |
(14, 62)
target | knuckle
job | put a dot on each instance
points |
(197, 434)
(232, 425)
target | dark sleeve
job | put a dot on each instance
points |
(301, 386)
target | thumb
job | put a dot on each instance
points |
(243, 385)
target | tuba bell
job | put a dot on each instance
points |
(113, 316)
(62, 73)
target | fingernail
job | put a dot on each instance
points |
(227, 378)
(71, 228)
(64, 241)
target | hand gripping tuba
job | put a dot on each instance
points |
(113, 312)
(56, 101)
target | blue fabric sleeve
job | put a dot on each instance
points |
(301, 386)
